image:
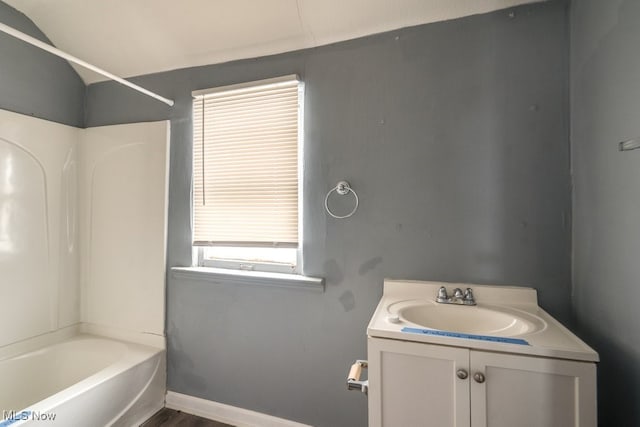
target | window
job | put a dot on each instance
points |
(246, 175)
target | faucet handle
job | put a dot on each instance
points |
(468, 297)
(442, 295)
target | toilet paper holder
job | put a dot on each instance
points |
(353, 378)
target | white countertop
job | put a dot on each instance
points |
(551, 340)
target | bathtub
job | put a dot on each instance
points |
(86, 381)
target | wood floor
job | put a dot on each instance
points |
(171, 418)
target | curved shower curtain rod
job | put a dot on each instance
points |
(55, 51)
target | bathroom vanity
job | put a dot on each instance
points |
(502, 362)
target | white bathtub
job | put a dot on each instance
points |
(87, 381)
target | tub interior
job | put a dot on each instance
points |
(39, 374)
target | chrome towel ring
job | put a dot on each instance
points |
(342, 188)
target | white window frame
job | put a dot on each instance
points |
(248, 265)
(198, 252)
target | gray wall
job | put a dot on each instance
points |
(34, 82)
(605, 109)
(454, 135)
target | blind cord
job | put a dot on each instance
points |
(202, 138)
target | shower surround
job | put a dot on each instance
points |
(82, 253)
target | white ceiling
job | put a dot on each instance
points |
(134, 37)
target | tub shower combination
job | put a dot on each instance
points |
(82, 335)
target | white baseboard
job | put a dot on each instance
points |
(225, 413)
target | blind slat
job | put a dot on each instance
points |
(245, 158)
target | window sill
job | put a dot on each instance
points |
(250, 278)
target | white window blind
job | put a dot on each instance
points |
(245, 164)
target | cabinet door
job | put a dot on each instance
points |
(416, 385)
(528, 391)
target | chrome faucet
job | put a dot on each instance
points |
(458, 297)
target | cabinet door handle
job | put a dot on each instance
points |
(462, 374)
(479, 377)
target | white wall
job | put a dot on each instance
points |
(82, 227)
(123, 187)
(38, 235)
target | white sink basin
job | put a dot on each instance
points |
(408, 311)
(479, 320)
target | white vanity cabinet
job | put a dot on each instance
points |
(414, 384)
